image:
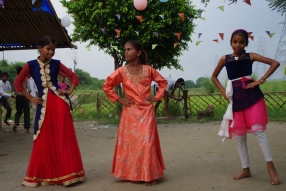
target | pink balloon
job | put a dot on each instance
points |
(140, 4)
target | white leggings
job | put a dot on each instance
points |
(241, 143)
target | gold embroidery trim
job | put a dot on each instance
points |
(46, 183)
(55, 179)
(47, 84)
(136, 79)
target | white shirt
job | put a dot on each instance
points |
(170, 86)
(33, 87)
(5, 87)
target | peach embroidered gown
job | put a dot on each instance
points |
(137, 155)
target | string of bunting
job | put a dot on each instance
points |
(270, 34)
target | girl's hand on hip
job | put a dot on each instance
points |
(64, 92)
(253, 84)
(152, 99)
(125, 101)
(36, 101)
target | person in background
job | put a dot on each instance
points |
(22, 106)
(6, 87)
(169, 93)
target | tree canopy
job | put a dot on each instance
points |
(108, 24)
(278, 5)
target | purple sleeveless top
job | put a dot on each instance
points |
(242, 98)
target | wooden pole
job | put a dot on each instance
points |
(185, 98)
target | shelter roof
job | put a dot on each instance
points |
(23, 23)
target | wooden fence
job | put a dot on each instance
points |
(88, 106)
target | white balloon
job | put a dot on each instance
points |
(65, 21)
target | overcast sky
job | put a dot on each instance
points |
(198, 61)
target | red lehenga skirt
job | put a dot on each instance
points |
(55, 157)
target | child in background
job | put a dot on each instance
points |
(62, 83)
(55, 157)
(246, 100)
(137, 155)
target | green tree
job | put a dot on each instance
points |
(278, 5)
(190, 84)
(86, 81)
(200, 82)
(95, 21)
(10, 68)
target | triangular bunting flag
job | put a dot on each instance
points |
(221, 35)
(198, 42)
(216, 40)
(82, 28)
(103, 30)
(137, 32)
(221, 8)
(140, 18)
(178, 34)
(153, 46)
(88, 47)
(2, 3)
(182, 16)
(252, 37)
(247, 1)
(117, 32)
(163, 1)
(199, 35)
(118, 16)
(162, 16)
(268, 32)
(175, 44)
(249, 33)
(33, 1)
(272, 34)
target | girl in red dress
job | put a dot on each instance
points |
(55, 157)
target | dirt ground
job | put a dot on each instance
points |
(195, 159)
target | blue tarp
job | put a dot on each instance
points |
(44, 7)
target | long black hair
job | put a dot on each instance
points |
(138, 46)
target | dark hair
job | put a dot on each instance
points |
(46, 40)
(180, 81)
(19, 70)
(4, 74)
(143, 57)
(240, 32)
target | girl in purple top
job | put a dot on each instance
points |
(248, 105)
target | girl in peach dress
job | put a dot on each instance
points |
(137, 155)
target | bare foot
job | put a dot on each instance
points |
(7, 123)
(275, 179)
(151, 183)
(244, 174)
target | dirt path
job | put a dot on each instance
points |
(194, 156)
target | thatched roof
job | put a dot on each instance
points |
(23, 24)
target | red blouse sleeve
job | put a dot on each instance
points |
(22, 78)
(66, 72)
